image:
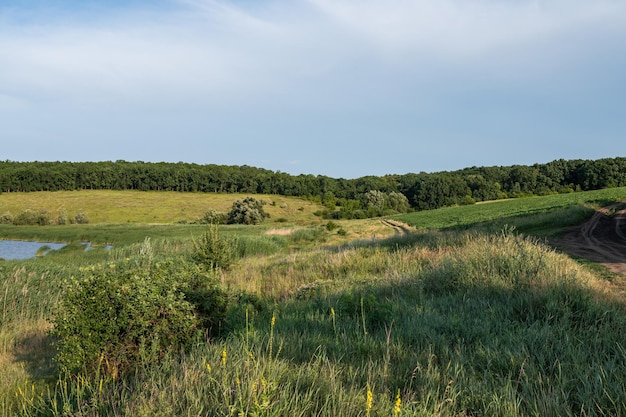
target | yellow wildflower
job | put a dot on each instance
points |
(396, 408)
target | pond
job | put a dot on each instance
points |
(11, 250)
(20, 249)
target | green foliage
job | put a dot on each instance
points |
(214, 251)
(330, 226)
(40, 217)
(80, 218)
(62, 219)
(213, 217)
(423, 191)
(210, 301)
(247, 211)
(6, 218)
(397, 202)
(118, 315)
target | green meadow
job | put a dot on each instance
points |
(538, 213)
(465, 316)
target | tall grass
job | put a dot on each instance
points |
(437, 323)
(455, 323)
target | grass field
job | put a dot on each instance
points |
(448, 321)
(517, 210)
(115, 207)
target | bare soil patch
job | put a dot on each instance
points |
(399, 227)
(280, 232)
(600, 239)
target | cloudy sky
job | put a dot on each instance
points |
(344, 88)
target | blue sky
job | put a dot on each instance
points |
(343, 88)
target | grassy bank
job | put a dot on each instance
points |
(434, 323)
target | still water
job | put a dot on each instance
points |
(20, 249)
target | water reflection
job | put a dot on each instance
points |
(19, 249)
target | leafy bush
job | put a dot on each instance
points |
(6, 218)
(80, 218)
(247, 211)
(213, 251)
(330, 226)
(213, 217)
(208, 298)
(62, 219)
(121, 314)
(40, 217)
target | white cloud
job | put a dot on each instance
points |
(212, 47)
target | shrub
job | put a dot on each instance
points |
(122, 314)
(208, 298)
(213, 217)
(29, 217)
(62, 219)
(80, 218)
(213, 251)
(330, 226)
(6, 218)
(247, 211)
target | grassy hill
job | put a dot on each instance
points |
(520, 210)
(453, 320)
(114, 207)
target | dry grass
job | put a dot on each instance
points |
(108, 206)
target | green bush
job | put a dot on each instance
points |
(6, 218)
(208, 298)
(62, 219)
(213, 251)
(247, 211)
(122, 314)
(213, 217)
(40, 217)
(80, 218)
(330, 226)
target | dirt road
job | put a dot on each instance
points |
(601, 239)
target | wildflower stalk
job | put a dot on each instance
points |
(369, 401)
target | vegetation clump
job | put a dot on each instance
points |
(80, 218)
(118, 315)
(213, 251)
(247, 211)
(39, 217)
(213, 217)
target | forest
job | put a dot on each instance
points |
(343, 198)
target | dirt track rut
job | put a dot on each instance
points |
(600, 239)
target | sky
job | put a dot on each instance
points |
(343, 88)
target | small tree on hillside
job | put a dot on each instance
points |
(247, 211)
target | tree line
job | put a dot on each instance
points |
(421, 190)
